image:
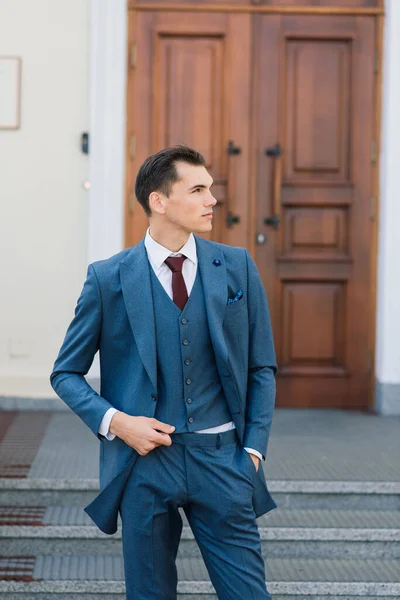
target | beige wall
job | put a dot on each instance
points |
(43, 205)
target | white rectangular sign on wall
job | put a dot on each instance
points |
(10, 90)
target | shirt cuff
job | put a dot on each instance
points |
(256, 452)
(105, 424)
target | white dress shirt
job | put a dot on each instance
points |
(157, 254)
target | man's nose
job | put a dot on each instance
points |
(212, 201)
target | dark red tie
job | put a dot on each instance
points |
(179, 290)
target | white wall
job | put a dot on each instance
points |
(388, 311)
(43, 205)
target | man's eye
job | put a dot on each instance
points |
(196, 190)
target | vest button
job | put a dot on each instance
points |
(184, 321)
(190, 419)
(185, 342)
(188, 400)
(187, 362)
(188, 381)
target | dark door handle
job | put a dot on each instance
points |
(232, 149)
(273, 221)
(274, 150)
(276, 153)
(232, 219)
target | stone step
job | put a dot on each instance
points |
(344, 495)
(340, 495)
(103, 575)
(200, 596)
(284, 533)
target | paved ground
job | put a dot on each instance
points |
(312, 445)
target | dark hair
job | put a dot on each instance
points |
(159, 173)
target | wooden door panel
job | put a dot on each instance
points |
(317, 115)
(188, 4)
(315, 233)
(228, 5)
(316, 265)
(190, 75)
(324, 3)
(192, 85)
(190, 72)
(319, 351)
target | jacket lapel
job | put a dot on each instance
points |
(136, 290)
(214, 281)
(138, 298)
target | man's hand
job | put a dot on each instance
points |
(255, 460)
(141, 433)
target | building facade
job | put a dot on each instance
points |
(296, 115)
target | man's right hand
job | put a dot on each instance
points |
(141, 433)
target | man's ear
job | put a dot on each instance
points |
(157, 203)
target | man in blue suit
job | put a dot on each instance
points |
(187, 392)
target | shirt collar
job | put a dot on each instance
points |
(159, 253)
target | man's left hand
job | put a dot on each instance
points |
(255, 460)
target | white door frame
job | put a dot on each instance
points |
(387, 371)
(108, 68)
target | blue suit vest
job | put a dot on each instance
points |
(190, 394)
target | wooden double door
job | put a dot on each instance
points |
(282, 107)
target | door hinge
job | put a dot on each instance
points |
(372, 208)
(132, 146)
(133, 56)
(131, 201)
(374, 152)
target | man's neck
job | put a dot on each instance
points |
(174, 241)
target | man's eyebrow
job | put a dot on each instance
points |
(200, 185)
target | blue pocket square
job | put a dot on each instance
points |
(236, 298)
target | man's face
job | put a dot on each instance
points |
(190, 204)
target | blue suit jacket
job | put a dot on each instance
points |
(114, 314)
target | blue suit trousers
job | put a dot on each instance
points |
(211, 476)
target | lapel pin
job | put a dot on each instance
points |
(217, 262)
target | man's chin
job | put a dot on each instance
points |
(205, 228)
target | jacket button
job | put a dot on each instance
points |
(187, 362)
(190, 419)
(185, 342)
(154, 396)
(189, 400)
(184, 321)
(188, 381)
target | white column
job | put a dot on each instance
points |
(108, 68)
(388, 288)
(107, 128)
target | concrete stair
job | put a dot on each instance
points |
(298, 578)
(335, 535)
(325, 540)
